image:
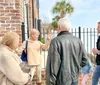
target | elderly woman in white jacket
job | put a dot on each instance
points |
(10, 69)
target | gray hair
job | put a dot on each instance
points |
(99, 22)
(64, 24)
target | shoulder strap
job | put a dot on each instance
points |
(26, 45)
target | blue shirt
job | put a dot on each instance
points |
(88, 68)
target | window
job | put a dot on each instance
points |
(37, 3)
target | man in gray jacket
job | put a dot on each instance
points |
(66, 56)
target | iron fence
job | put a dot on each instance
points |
(87, 35)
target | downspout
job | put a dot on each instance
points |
(25, 21)
(39, 22)
(33, 12)
(38, 9)
(27, 11)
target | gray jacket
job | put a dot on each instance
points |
(66, 56)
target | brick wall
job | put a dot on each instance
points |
(11, 16)
(34, 12)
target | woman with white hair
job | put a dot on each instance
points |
(10, 71)
(33, 53)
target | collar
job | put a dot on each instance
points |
(9, 48)
(29, 40)
(63, 32)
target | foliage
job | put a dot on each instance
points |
(54, 22)
(43, 40)
(60, 9)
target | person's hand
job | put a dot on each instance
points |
(95, 51)
(30, 79)
(50, 36)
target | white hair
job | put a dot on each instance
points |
(33, 31)
(64, 24)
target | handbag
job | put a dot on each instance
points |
(24, 66)
(24, 54)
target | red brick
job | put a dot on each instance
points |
(1, 7)
(17, 7)
(4, 4)
(5, 25)
(2, 21)
(3, 32)
(9, 0)
(14, 11)
(4, 11)
(2, 29)
(9, 8)
(15, 25)
(1, 14)
(1, 0)
(16, 0)
(8, 28)
(13, 29)
(18, 14)
(10, 21)
(13, 21)
(5, 18)
(12, 4)
(17, 17)
(18, 21)
(17, 4)
(11, 14)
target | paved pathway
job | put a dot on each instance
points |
(89, 82)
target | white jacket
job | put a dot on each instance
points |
(10, 70)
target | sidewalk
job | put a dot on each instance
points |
(44, 79)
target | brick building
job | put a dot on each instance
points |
(19, 16)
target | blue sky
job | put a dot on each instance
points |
(86, 12)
